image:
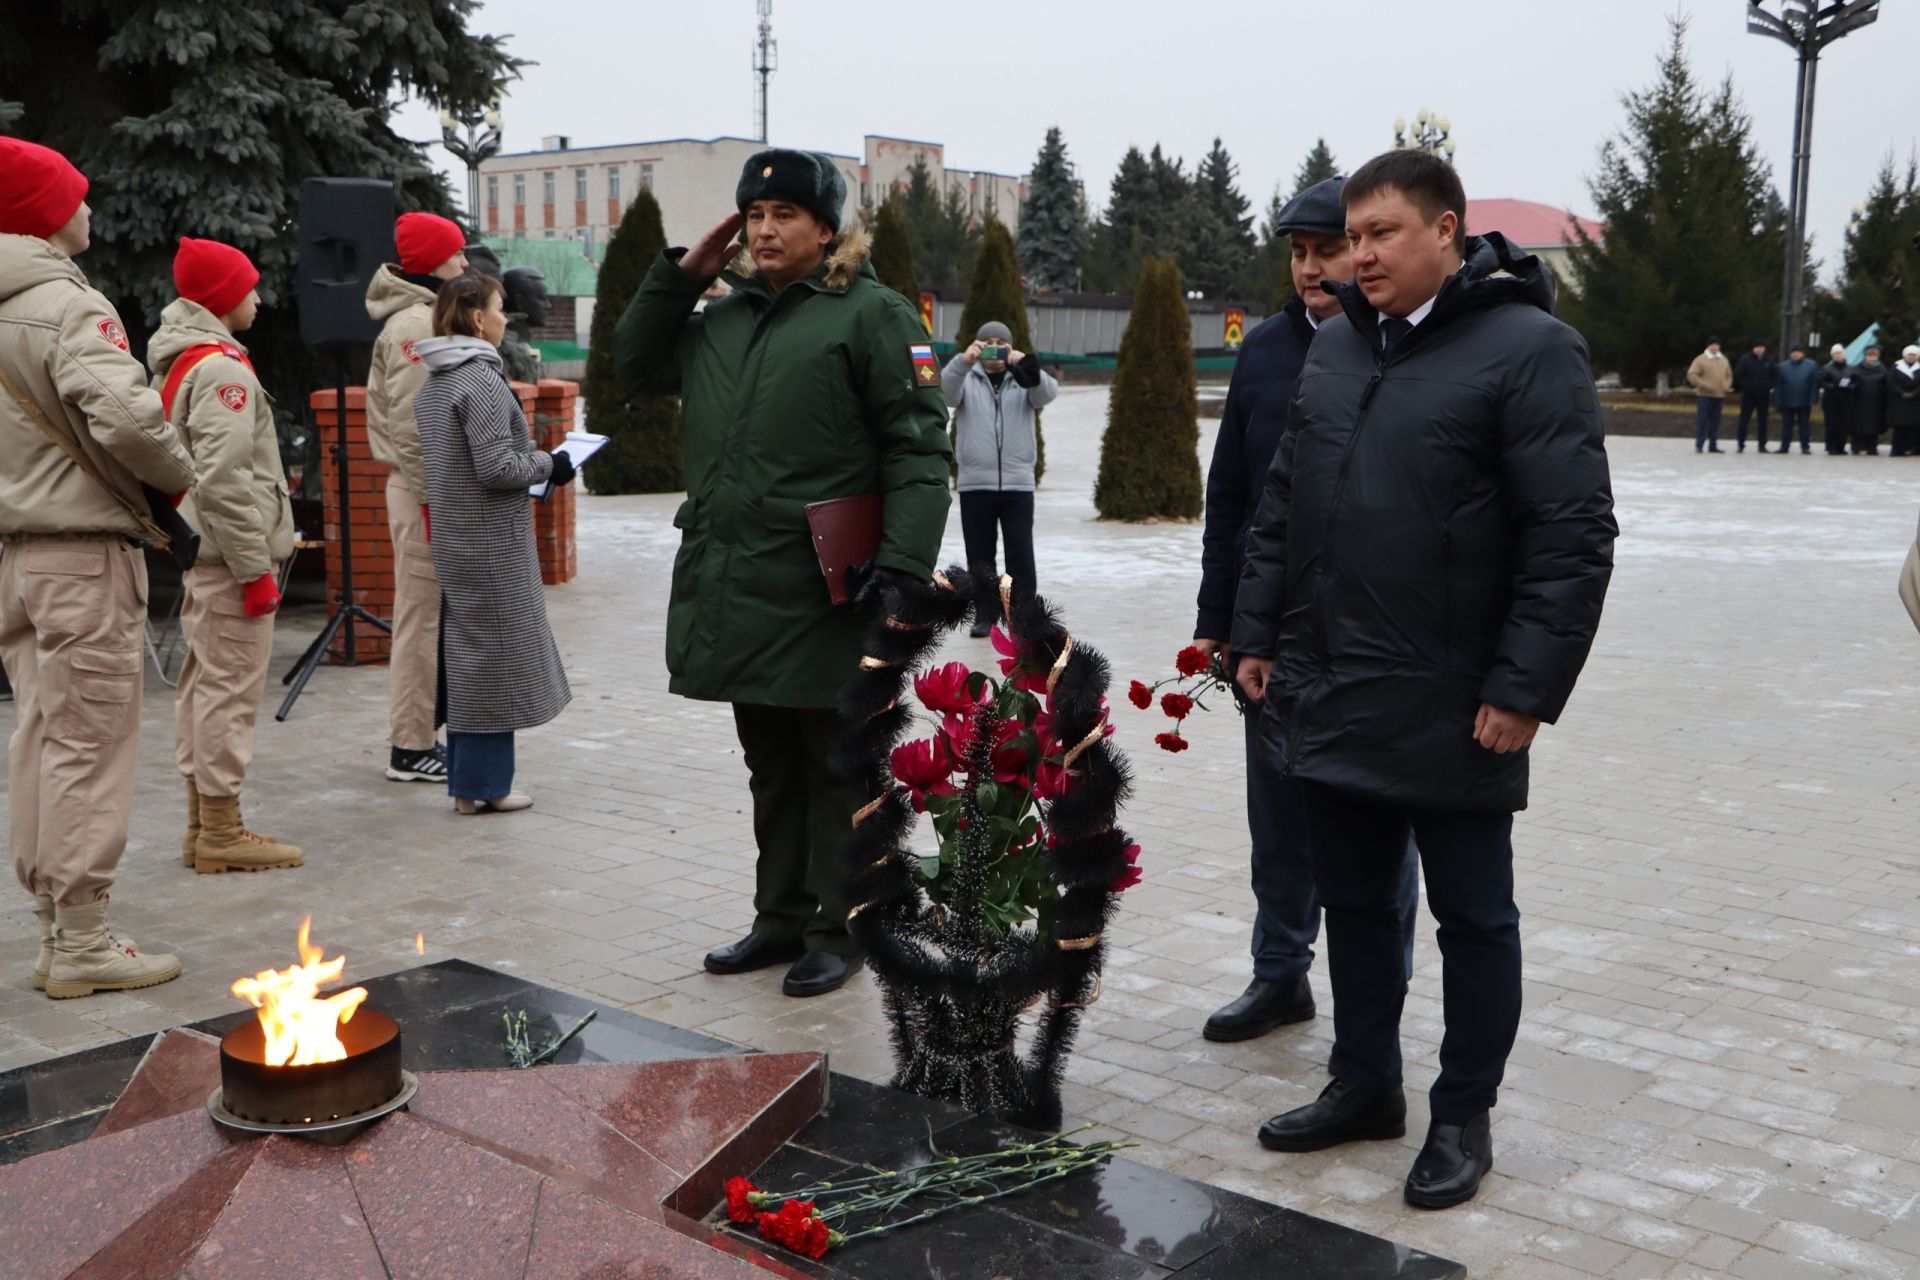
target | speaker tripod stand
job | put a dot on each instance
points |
(347, 610)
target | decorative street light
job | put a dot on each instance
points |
(1430, 132)
(1807, 27)
(473, 137)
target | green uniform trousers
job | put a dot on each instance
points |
(802, 818)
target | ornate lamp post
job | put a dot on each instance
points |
(472, 136)
(1430, 132)
(1808, 28)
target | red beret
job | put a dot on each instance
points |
(217, 276)
(39, 189)
(426, 240)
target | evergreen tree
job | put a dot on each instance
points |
(1215, 230)
(1316, 168)
(1168, 197)
(1691, 246)
(1889, 219)
(1899, 324)
(203, 120)
(893, 251)
(1131, 199)
(644, 454)
(1053, 226)
(994, 293)
(1217, 179)
(941, 229)
(1267, 278)
(1149, 456)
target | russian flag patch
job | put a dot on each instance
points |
(925, 371)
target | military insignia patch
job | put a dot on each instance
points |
(925, 371)
(112, 332)
(406, 349)
(234, 396)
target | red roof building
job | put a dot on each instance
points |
(1537, 228)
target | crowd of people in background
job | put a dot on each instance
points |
(1859, 403)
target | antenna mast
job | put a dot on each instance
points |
(766, 60)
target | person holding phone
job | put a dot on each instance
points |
(995, 392)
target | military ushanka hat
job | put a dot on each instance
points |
(805, 178)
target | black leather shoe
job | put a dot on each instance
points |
(818, 972)
(1260, 1008)
(1342, 1113)
(753, 952)
(1449, 1168)
(980, 630)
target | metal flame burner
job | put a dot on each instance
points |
(327, 1101)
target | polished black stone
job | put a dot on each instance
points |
(35, 1100)
(866, 1122)
(1299, 1247)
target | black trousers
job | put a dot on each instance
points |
(1358, 848)
(802, 815)
(1750, 405)
(990, 516)
(1833, 412)
(1906, 440)
(1790, 414)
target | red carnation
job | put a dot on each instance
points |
(1177, 705)
(1170, 742)
(798, 1227)
(1131, 876)
(1191, 662)
(740, 1206)
(944, 690)
(1139, 695)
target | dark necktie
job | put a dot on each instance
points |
(1392, 332)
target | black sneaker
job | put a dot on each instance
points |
(418, 766)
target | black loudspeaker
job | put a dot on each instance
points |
(346, 233)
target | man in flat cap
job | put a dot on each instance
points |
(810, 381)
(1287, 911)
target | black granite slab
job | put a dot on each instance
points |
(49, 1104)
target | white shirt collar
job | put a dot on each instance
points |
(1419, 313)
(1313, 320)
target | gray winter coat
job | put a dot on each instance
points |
(499, 667)
(994, 436)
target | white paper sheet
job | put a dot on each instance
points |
(578, 445)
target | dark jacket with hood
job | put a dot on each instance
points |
(1754, 376)
(1251, 424)
(1437, 532)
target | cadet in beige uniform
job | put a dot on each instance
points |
(73, 583)
(214, 400)
(432, 250)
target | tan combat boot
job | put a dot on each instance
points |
(187, 846)
(225, 844)
(88, 958)
(43, 912)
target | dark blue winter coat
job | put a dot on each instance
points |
(1796, 384)
(1250, 429)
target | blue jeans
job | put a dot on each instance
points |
(1790, 414)
(479, 765)
(1706, 423)
(1286, 918)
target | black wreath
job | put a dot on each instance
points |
(890, 916)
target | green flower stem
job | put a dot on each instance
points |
(1062, 1170)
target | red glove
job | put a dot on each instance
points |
(177, 498)
(260, 597)
(426, 520)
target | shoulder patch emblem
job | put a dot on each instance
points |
(234, 396)
(232, 352)
(112, 332)
(406, 349)
(925, 371)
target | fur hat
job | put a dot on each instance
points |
(40, 190)
(805, 178)
(217, 276)
(1315, 211)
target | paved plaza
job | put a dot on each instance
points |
(1718, 1069)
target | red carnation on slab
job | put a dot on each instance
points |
(740, 1204)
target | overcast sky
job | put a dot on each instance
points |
(1532, 86)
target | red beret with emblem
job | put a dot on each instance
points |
(40, 190)
(425, 240)
(217, 276)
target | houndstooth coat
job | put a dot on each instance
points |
(499, 667)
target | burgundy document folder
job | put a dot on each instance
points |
(846, 532)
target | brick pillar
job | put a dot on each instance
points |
(553, 520)
(366, 523)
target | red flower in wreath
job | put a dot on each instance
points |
(921, 767)
(1170, 742)
(943, 690)
(1177, 705)
(740, 1205)
(1132, 875)
(1191, 662)
(1139, 695)
(1029, 681)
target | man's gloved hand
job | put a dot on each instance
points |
(868, 581)
(563, 469)
(260, 597)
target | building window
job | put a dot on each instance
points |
(493, 193)
(580, 184)
(548, 233)
(646, 177)
(613, 182)
(519, 188)
(547, 187)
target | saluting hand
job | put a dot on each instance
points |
(715, 249)
(1502, 732)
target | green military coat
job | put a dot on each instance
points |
(812, 393)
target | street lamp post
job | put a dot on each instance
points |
(473, 137)
(1807, 27)
(1430, 132)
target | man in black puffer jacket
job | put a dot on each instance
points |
(1424, 579)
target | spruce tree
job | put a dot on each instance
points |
(1267, 278)
(892, 256)
(995, 294)
(1889, 219)
(1131, 199)
(644, 454)
(1217, 179)
(1692, 247)
(1899, 324)
(1053, 226)
(1149, 456)
(940, 227)
(1316, 168)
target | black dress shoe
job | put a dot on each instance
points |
(1449, 1168)
(980, 630)
(1342, 1113)
(1261, 1007)
(753, 952)
(818, 972)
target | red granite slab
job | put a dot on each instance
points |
(728, 1243)
(293, 1214)
(685, 1111)
(580, 1238)
(441, 1208)
(514, 1114)
(178, 1073)
(162, 1241)
(64, 1206)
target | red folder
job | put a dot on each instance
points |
(846, 532)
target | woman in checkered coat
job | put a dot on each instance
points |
(499, 668)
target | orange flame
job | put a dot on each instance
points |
(420, 944)
(301, 1027)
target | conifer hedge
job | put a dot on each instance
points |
(1149, 456)
(644, 454)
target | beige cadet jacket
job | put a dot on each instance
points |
(1710, 376)
(62, 344)
(397, 374)
(226, 421)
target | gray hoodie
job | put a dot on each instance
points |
(994, 437)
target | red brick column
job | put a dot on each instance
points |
(366, 523)
(553, 520)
